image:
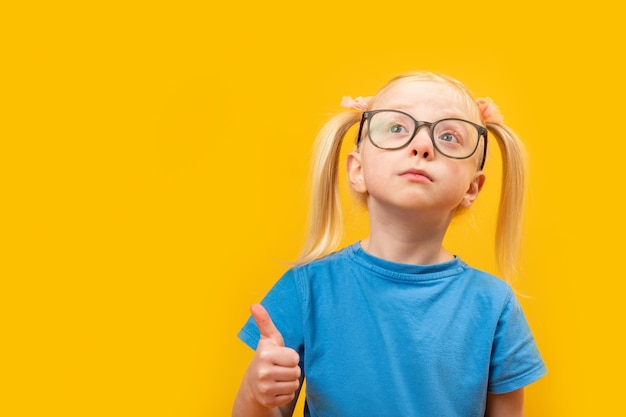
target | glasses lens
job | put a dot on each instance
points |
(390, 129)
(455, 138)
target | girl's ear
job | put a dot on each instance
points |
(355, 172)
(474, 189)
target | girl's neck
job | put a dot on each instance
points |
(417, 253)
(408, 239)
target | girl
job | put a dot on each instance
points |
(395, 325)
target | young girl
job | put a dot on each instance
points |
(395, 325)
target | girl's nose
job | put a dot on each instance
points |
(422, 145)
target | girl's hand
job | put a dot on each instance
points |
(273, 377)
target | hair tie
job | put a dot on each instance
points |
(359, 103)
(489, 111)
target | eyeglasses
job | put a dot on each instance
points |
(395, 129)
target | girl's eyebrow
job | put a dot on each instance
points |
(446, 113)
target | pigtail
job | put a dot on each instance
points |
(325, 226)
(512, 198)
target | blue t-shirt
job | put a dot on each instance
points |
(378, 338)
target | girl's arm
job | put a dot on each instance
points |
(510, 404)
(272, 382)
(247, 406)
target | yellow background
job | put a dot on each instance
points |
(153, 163)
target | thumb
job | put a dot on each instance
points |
(266, 325)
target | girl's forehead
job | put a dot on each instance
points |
(407, 93)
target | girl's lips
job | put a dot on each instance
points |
(416, 175)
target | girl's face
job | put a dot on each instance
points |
(418, 176)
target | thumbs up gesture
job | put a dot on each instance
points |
(273, 376)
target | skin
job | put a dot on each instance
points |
(510, 404)
(272, 382)
(412, 195)
(410, 213)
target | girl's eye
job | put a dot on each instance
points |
(397, 129)
(448, 137)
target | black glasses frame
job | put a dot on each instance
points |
(482, 132)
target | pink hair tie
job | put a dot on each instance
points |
(489, 111)
(359, 103)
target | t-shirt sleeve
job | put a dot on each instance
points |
(284, 304)
(516, 361)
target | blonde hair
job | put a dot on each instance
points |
(325, 226)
